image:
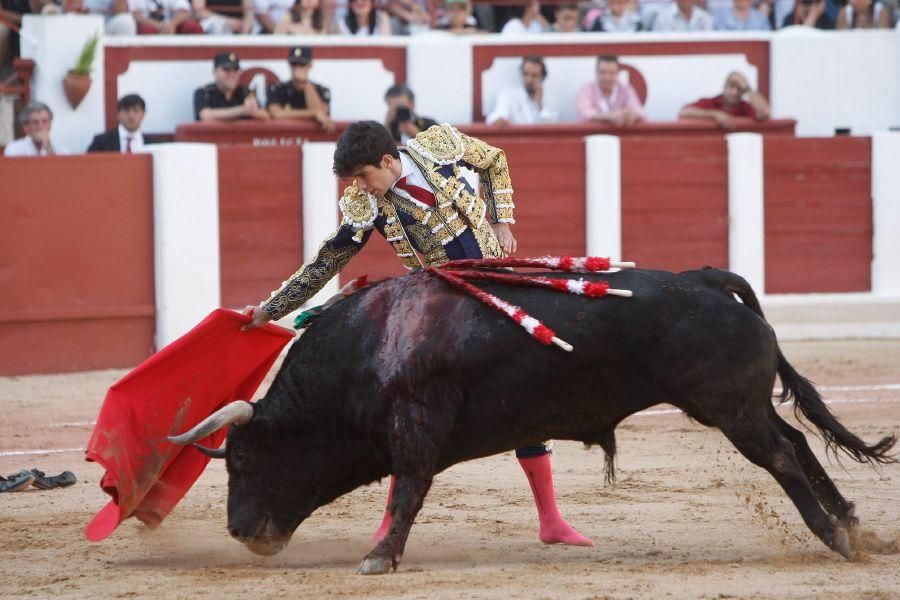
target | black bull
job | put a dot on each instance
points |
(409, 377)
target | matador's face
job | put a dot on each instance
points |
(378, 179)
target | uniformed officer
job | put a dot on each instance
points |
(225, 99)
(401, 119)
(301, 98)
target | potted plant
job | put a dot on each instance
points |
(78, 80)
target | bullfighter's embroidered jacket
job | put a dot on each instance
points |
(457, 226)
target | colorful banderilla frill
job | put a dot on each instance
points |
(458, 271)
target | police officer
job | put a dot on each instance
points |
(300, 98)
(225, 99)
(401, 119)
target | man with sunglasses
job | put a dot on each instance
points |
(225, 99)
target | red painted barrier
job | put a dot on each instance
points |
(818, 215)
(260, 220)
(76, 245)
(675, 202)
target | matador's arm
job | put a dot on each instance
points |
(334, 253)
(359, 210)
(496, 185)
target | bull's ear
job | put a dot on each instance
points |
(211, 452)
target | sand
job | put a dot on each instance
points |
(688, 518)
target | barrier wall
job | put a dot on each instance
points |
(260, 220)
(77, 269)
(818, 215)
(675, 202)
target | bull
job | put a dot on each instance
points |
(409, 377)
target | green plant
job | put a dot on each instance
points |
(86, 58)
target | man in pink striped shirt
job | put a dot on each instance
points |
(608, 100)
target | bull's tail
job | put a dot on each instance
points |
(807, 401)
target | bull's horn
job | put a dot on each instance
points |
(211, 452)
(237, 412)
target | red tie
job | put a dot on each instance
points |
(128, 144)
(420, 194)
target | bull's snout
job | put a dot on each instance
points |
(266, 540)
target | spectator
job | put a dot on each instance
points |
(524, 105)
(270, 12)
(459, 18)
(682, 15)
(225, 99)
(619, 17)
(410, 16)
(36, 119)
(741, 16)
(163, 17)
(127, 137)
(864, 14)
(214, 23)
(730, 103)
(301, 98)
(528, 19)
(608, 100)
(304, 18)
(810, 13)
(363, 20)
(565, 18)
(401, 118)
(116, 14)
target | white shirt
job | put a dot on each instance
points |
(516, 26)
(410, 170)
(25, 147)
(274, 8)
(137, 140)
(518, 108)
(671, 19)
(167, 7)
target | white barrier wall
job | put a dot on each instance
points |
(824, 80)
(185, 236)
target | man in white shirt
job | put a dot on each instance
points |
(524, 105)
(682, 15)
(36, 119)
(127, 137)
(269, 12)
(527, 19)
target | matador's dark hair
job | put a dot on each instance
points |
(362, 143)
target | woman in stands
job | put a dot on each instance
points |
(304, 18)
(864, 14)
(363, 19)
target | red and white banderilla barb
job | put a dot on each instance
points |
(591, 289)
(569, 264)
(535, 328)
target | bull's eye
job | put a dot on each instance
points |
(239, 456)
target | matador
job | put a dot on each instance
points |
(445, 196)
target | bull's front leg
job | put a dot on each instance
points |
(410, 490)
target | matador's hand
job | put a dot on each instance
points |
(260, 318)
(505, 237)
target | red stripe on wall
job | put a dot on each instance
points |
(675, 202)
(76, 242)
(260, 220)
(818, 214)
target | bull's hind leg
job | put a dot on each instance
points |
(764, 445)
(824, 488)
(419, 429)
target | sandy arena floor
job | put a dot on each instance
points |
(689, 517)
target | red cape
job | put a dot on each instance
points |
(170, 392)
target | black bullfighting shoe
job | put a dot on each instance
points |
(17, 482)
(41, 481)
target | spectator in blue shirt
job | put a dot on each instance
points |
(741, 17)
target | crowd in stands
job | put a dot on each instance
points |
(607, 98)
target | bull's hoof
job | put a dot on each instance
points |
(375, 565)
(842, 542)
